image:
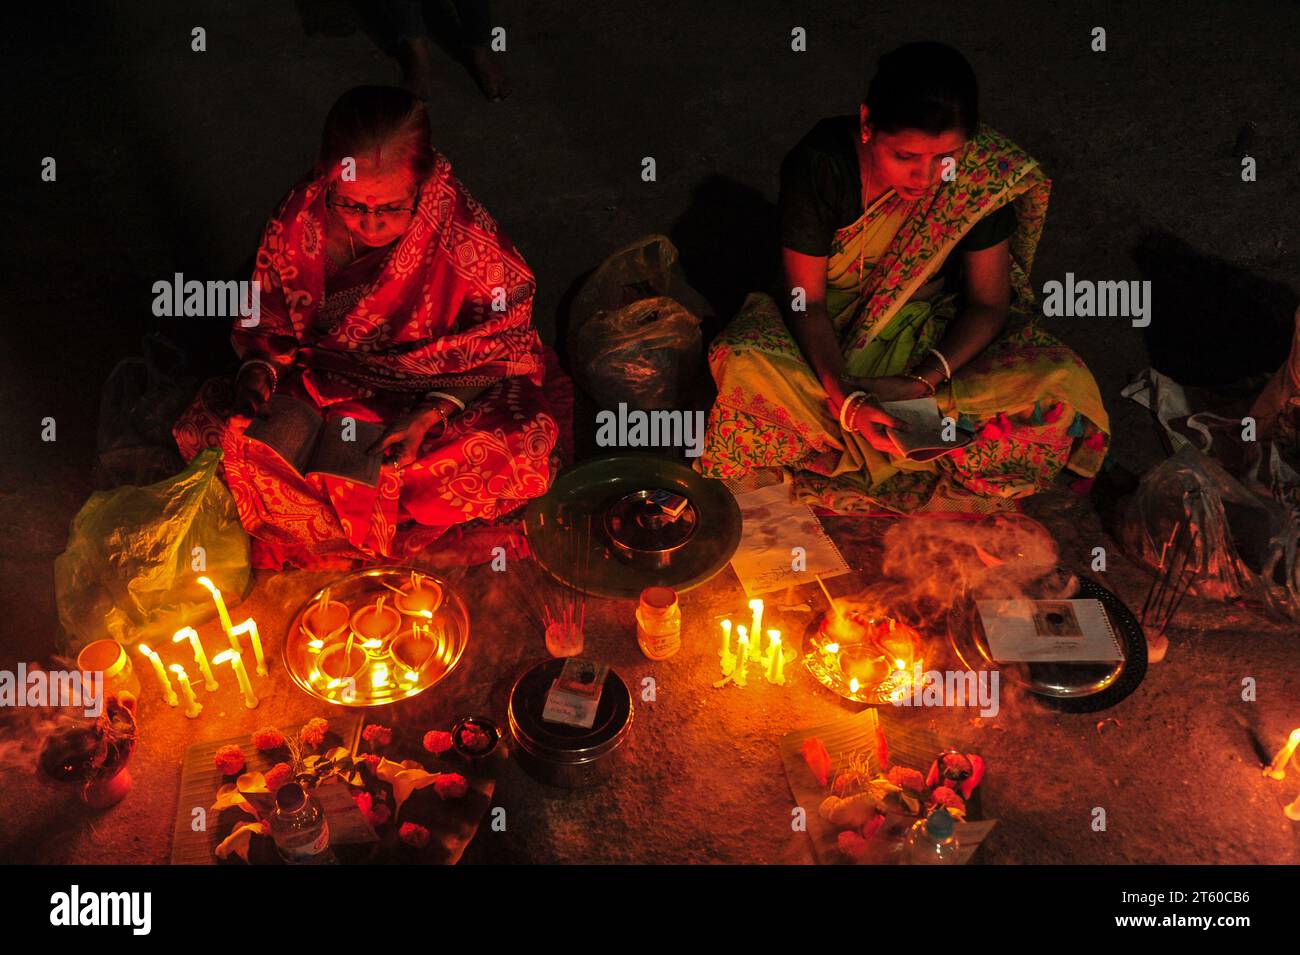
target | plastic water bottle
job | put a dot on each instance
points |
(932, 841)
(298, 827)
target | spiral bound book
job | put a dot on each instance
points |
(773, 526)
(1049, 631)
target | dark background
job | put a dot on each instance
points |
(170, 160)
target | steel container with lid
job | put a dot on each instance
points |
(561, 755)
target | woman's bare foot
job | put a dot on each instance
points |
(488, 73)
(417, 67)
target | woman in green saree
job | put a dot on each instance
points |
(908, 233)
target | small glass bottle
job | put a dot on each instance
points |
(299, 827)
(659, 623)
(932, 841)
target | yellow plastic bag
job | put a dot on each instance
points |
(135, 554)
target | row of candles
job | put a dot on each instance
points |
(1277, 770)
(771, 659)
(234, 656)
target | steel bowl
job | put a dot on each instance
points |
(556, 754)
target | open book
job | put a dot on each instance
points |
(925, 438)
(1049, 631)
(312, 444)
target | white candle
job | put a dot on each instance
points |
(168, 693)
(237, 661)
(1277, 768)
(201, 658)
(724, 650)
(249, 627)
(776, 669)
(1293, 810)
(221, 611)
(742, 656)
(192, 706)
(756, 628)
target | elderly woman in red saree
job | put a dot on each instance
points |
(390, 296)
(908, 233)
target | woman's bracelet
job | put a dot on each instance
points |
(947, 368)
(460, 405)
(930, 390)
(270, 370)
(849, 402)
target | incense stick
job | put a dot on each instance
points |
(829, 600)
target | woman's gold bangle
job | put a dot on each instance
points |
(930, 389)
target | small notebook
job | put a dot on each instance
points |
(924, 439)
(316, 444)
(1049, 631)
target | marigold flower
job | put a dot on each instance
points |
(451, 786)
(378, 736)
(267, 738)
(376, 814)
(278, 775)
(437, 741)
(313, 733)
(852, 845)
(415, 836)
(229, 760)
(905, 778)
(950, 800)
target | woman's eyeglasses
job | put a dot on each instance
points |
(353, 210)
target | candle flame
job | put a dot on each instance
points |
(225, 655)
(832, 648)
(853, 685)
(145, 649)
(212, 588)
(177, 668)
(373, 644)
(316, 645)
(185, 633)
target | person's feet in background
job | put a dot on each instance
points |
(475, 36)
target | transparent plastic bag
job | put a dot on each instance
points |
(1246, 542)
(140, 401)
(634, 333)
(130, 570)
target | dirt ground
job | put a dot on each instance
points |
(170, 160)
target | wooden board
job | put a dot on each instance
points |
(200, 781)
(451, 824)
(912, 747)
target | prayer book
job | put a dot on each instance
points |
(1049, 631)
(315, 444)
(925, 438)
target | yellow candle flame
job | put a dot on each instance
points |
(853, 685)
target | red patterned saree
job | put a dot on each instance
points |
(449, 304)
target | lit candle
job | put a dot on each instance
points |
(201, 658)
(742, 656)
(168, 693)
(1277, 768)
(756, 628)
(728, 658)
(221, 611)
(237, 661)
(249, 627)
(1293, 810)
(192, 706)
(776, 669)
